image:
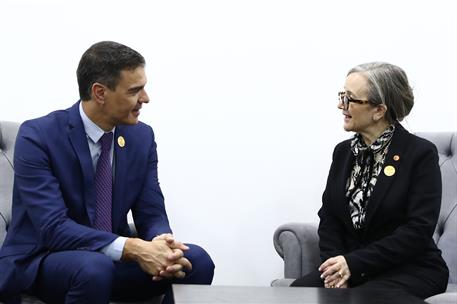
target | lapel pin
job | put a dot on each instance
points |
(389, 170)
(396, 157)
(121, 141)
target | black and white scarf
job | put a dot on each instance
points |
(367, 166)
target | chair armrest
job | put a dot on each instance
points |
(298, 245)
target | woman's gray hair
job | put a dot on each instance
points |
(388, 85)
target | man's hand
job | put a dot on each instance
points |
(172, 243)
(177, 260)
(153, 256)
(176, 270)
(335, 272)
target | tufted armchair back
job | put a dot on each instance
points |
(8, 132)
(446, 230)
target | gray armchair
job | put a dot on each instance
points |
(8, 132)
(297, 243)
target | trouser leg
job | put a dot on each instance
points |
(131, 283)
(311, 279)
(202, 270)
(92, 277)
(75, 277)
(422, 286)
(202, 267)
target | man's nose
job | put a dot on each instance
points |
(144, 98)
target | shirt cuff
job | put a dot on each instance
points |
(114, 249)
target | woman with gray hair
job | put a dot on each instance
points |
(383, 194)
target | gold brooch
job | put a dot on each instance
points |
(121, 141)
(389, 170)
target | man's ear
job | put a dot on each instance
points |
(380, 112)
(98, 92)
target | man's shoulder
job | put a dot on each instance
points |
(53, 122)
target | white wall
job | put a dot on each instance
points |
(243, 97)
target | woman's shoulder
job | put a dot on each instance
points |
(343, 145)
(341, 149)
(414, 141)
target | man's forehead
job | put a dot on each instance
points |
(133, 75)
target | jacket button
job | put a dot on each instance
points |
(363, 274)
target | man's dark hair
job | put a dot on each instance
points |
(103, 63)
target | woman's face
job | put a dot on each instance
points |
(358, 117)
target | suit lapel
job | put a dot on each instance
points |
(385, 181)
(78, 139)
(121, 147)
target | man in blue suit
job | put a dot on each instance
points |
(78, 172)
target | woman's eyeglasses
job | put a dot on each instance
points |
(345, 100)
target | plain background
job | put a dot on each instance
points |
(243, 98)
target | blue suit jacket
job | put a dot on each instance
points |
(54, 193)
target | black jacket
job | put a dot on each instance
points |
(401, 213)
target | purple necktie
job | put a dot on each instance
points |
(104, 185)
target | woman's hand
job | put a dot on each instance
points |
(335, 272)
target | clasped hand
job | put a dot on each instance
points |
(177, 262)
(162, 257)
(335, 272)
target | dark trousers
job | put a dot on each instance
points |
(412, 282)
(92, 277)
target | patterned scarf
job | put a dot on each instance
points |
(367, 166)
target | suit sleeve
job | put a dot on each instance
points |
(149, 211)
(39, 192)
(331, 229)
(411, 239)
